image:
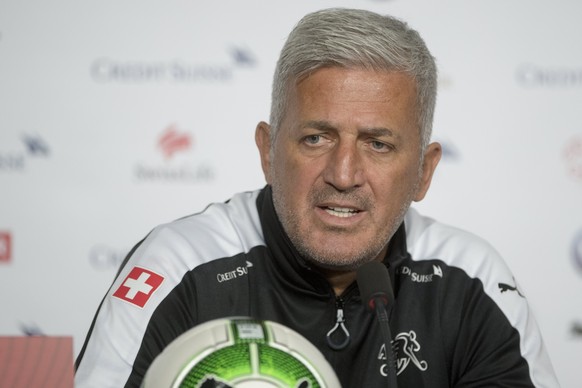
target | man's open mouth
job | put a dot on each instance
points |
(343, 212)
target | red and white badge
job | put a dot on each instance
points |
(138, 286)
(5, 246)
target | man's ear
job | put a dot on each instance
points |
(432, 156)
(263, 141)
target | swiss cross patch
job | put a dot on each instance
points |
(138, 286)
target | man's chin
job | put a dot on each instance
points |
(337, 263)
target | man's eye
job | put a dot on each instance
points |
(379, 146)
(312, 139)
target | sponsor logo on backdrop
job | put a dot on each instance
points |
(5, 247)
(109, 70)
(538, 76)
(139, 286)
(573, 157)
(103, 257)
(576, 250)
(242, 57)
(35, 145)
(30, 329)
(17, 158)
(177, 161)
(172, 141)
(450, 152)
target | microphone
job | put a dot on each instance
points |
(377, 295)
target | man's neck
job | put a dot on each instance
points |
(339, 280)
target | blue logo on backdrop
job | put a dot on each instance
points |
(35, 145)
(534, 76)
(450, 152)
(108, 70)
(15, 160)
(243, 57)
(30, 329)
(576, 250)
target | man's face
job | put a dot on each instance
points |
(346, 163)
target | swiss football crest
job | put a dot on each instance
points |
(406, 348)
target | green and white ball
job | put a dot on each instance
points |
(242, 353)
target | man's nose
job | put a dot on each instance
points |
(344, 168)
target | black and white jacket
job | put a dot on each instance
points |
(458, 320)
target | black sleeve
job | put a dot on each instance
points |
(485, 347)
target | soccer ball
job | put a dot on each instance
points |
(240, 352)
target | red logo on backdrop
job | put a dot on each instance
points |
(5, 247)
(138, 286)
(573, 157)
(172, 141)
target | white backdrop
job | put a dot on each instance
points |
(88, 90)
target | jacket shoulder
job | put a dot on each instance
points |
(428, 239)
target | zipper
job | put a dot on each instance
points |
(339, 330)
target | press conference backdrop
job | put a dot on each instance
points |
(116, 116)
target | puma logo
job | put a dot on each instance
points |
(506, 287)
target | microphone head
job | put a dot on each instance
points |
(374, 282)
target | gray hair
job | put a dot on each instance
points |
(353, 38)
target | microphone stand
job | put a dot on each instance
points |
(377, 294)
(382, 315)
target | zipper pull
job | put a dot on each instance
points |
(339, 327)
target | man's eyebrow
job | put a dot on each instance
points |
(327, 126)
(378, 132)
(319, 125)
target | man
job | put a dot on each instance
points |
(347, 151)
